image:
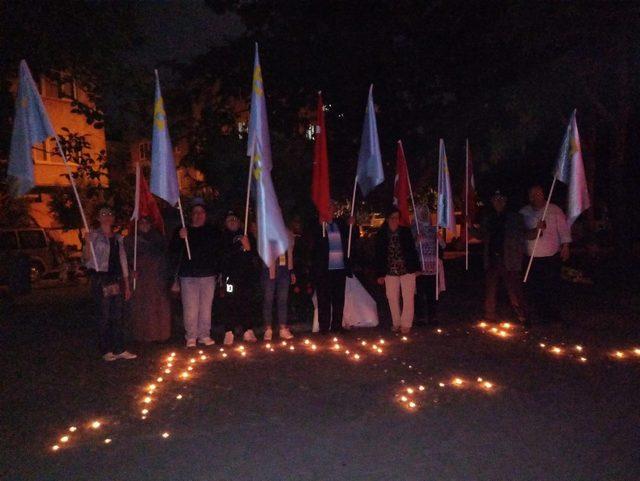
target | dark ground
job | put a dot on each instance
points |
(318, 416)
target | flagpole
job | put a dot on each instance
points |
(324, 229)
(135, 252)
(353, 206)
(535, 243)
(186, 239)
(75, 192)
(246, 205)
(466, 208)
(437, 222)
(413, 203)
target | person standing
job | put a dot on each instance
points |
(109, 284)
(426, 303)
(197, 275)
(276, 280)
(237, 270)
(396, 263)
(551, 250)
(150, 304)
(330, 267)
(503, 234)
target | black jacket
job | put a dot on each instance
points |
(320, 249)
(236, 263)
(204, 243)
(407, 244)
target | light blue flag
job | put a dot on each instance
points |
(31, 126)
(370, 172)
(570, 170)
(164, 178)
(273, 236)
(446, 215)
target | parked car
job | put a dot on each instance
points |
(34, 244)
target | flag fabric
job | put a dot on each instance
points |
(401, 187)
(570, 171)
(471, 195)
(370, 171)
(31, 126)
(164, 178)
(320, 190)
(145, 203)
(273, 236)
(446, 215)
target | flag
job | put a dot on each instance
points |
(446, 215)
(570, 171)
(273, 236)
(470, 196)
(401, 187)
(31, 126)
(164, 178)
(370, 171)
(320, 191)
(145, 203)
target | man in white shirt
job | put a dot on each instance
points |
(551, 250)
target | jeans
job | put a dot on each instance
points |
(512, 281)
(278, 288)
(393, 286)
(197, 298)
(330, 293)
(109, 311)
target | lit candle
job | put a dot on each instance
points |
(64, 439)
(179, 396)
(55, 447)
(488, 385)
(73, 429)
(457, 381)
(421, 388)
(165, 435)
(145, 411)
(146, 400)
(107, 441)
(95, 424)
(412, 404)
(159, 379)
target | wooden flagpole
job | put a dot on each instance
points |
(535, 243)
(353, 206)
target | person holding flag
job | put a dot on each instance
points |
(549, 233)
(150, 315)
(275, 242)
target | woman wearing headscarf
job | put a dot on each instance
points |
(150, 304)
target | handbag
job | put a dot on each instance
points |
(111, 290)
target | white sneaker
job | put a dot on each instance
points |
(191, 343)
(126, 355)
(109, 357)
(249, 336)
(268, 334)
(228, 338)
(207, 341)
(285, 333)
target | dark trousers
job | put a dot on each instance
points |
(277, 288)
(512, 280)
(426, 304)
(543, 288)
(109, 314)
(330, 293)
(236, 306)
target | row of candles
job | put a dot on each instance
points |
(505, 330)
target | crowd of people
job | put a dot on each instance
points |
(203, 265)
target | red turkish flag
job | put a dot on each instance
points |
(401, 187)
(320, 192)
(145, 203)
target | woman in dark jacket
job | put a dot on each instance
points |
(396, 264)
